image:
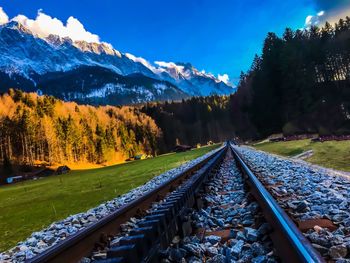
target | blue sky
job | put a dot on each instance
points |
(219, 36)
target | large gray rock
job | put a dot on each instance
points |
(339, 251)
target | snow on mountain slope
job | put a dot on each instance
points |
(24, 52)
(193, 81)
(30, 54)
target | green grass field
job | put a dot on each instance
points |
(30, 206)
(331, 154)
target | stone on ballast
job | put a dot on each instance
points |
(233, 213)
(323, 250)
(29, 254)
(346, 222)
(264, 229)
(194, 260)
(4, 257)
(319, 239)
(257, 249)
(85, 260)
(241, 236)
(338, 251)
(347, 244)
(49, 239)
(251, 234)
(91, 218)
(248, 222)
(212, 251)
(301, 206)
(177, 254)
(99, 255)
(259, 259)
(342, 260)
(217, 259)
(211, 223)
(32, 241)
(339, 217)
(41, 244)
(37, 250)
(75, 221)
(218, 222)
(23, 248)
(236, 249)
(194, 249)
(213, 239)
(20, 254)
(246, 257)
(63, 233)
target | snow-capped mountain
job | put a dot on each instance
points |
(93, 72)
(25, 53)
(192, 81)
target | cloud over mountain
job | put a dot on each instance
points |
(3, 17)
(224, 78)
(44, 25)
(143, 62)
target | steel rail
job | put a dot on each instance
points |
(79, 245)
(291, 244)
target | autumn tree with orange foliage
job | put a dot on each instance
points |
(42, 129)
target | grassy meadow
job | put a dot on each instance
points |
(331, 154)
(32, 205)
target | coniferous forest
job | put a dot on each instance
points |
(299, 84)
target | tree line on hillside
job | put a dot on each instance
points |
(191, 121)
(300, 83)
(201, 119)
(46, 130)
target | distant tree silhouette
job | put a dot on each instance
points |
(301, 80)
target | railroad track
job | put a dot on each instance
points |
(163, 214)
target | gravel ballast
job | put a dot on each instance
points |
(316, 198)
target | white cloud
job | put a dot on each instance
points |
(173, 68)
(44, 25)
(143, 62)
(311, 20)
(171, 65)
(308, 20)
(207, 74)
(75, 29)
(167, 64)
(3, 16)
(224, 78)
(321, 13)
